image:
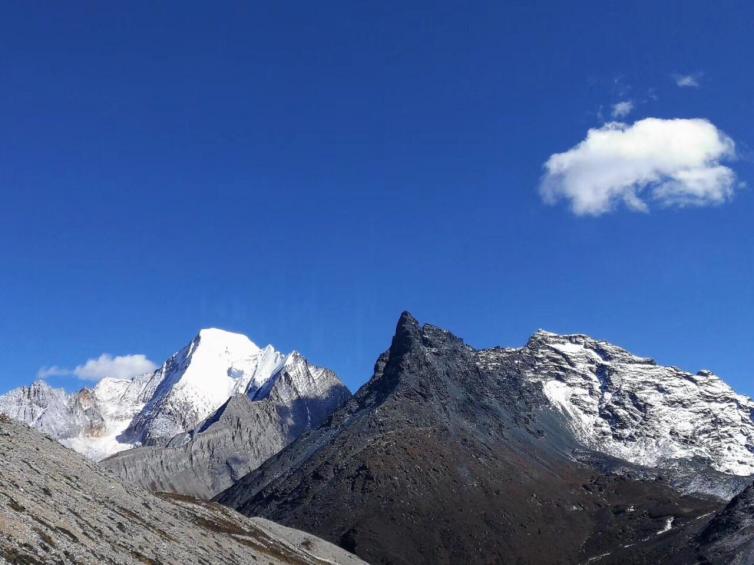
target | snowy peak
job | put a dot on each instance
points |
(216, 363)
(89, 420)
(298, 379)
(244, 431)
(150, 409)
(215, 366)
(583, 345)
(631, 407)
(41, 406)
(198, 380)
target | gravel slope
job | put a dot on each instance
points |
(58, 507)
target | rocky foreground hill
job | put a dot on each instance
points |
(58, 507)
(455, 455)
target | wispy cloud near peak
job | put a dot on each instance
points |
(119, 366)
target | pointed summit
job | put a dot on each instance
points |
(432, 459)
(225, 338)
(199, 379)
(407, 320)
(407, 332)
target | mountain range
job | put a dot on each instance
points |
(541, 454)
(211, 413)
(566, 450)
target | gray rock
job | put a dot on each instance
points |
(53, 411)
(58, 507)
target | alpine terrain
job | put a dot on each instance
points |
(58, 507)
(567, 450)
(243, 433)
(213, 412)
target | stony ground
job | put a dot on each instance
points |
(57, 507)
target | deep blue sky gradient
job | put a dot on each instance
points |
(303, 172)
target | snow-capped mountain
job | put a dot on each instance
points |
(243, 433)
(51, 411)
(199, 379)
(614, 402)
(632, 408)
(89, 421)
(118, 414)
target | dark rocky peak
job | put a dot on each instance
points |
(414, 364)
(407, 335)
(450, 454)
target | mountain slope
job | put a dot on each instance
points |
(725, 538)
(240, 436)
(632, 408)
(57, 507)
(452, 455)
(729, 536)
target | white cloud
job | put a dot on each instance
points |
(688, 81)
(672, 162)
(53, 371)
(120, 366)
(622, 109)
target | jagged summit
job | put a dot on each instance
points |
(573, 342)
(632, 408)
(407, 327)
(398, 370)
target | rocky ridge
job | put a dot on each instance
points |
(634, 409)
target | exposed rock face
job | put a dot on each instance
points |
(49, 410)
(632, 408)
(57, 507)
(240, 436)
(449, 455)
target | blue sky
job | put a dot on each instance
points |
(303, 172)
